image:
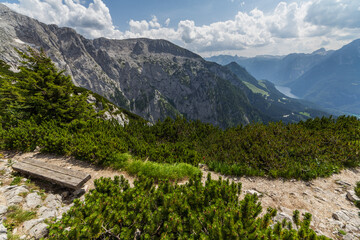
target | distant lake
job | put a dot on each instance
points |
(286, 91)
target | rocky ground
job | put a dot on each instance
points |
(330, 200)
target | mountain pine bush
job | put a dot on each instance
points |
(114, 210)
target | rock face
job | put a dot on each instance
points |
(151, 78)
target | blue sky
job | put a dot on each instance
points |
(209, 27)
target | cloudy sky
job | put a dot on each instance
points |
(209, 27)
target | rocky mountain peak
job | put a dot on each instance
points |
(150, 77)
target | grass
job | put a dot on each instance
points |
(11, 236)
(255, 89)
(157, 171)
(305, 114)
(16, 216)
(16, 180)
(173, 172)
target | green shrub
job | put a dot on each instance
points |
(113, 210)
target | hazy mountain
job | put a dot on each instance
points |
(281, 70)
(273, 103)
(152, 78)
(335, 82)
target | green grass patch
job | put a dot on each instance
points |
(16, 180)
(16, 216)
(306, 114)
(177, 171)
(255, 89)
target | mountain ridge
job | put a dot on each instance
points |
(151, 78)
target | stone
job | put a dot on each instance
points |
(15, 200)
(3, 210)
(53, 201)
(351, 228)
(64, 194)
(31, 223)
(348, 217)
(253, 191)
(45, 212)
(2, 229)
(33, 200)
(12, 191)
(39, 231)
(342, 183)
(351, 196)
(281, 216)
(348, 236)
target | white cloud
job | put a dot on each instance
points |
(92, 21)
(339, 13)
(290, 27)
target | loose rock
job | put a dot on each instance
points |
(45, 212)
(351, 196)
(33, 200)
(3, 210)
(38, 231)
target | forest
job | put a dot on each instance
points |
(41, 107)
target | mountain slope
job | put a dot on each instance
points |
(280, 70)
(151, 78)
(335, 82)
(270, 101)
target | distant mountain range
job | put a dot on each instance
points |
(153, 78)
(330, 79)
(280, 70)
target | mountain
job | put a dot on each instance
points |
(281, 70)
(273, 103)
(335, 82)
(151, 78)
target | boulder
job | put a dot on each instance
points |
(53, 201)
(31, 223)
(39, 231)
(33, 200)
(45, 212)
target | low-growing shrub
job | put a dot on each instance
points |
(113, 210)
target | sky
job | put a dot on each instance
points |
(209, 27)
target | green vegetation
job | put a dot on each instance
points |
(113, 210)
(161, 171)
(255, 89)
(357, 192)
(305, 114)
(41, 107)
(16, 180)
(16, 215)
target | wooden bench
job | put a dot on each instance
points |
(49, 172)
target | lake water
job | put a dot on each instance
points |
(286, 91)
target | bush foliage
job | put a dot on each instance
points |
(113, 210)
(39, 106)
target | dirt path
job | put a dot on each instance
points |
(321, 197)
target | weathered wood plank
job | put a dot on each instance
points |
(55, 168)
(52, 173)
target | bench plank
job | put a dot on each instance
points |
(62, 176)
